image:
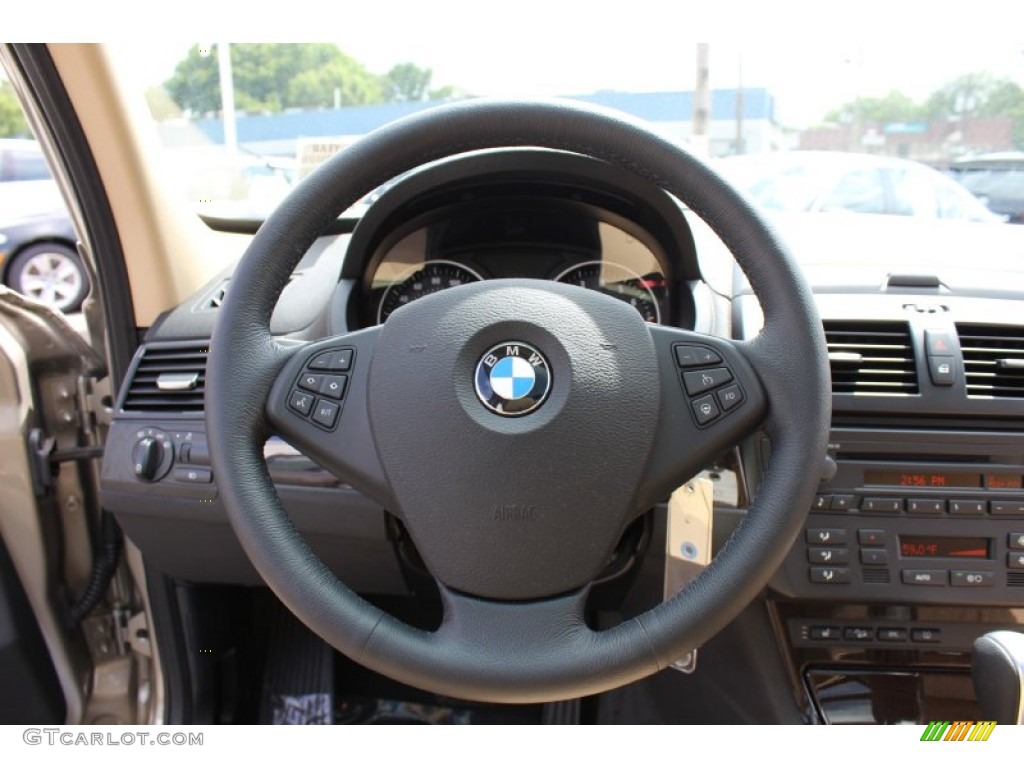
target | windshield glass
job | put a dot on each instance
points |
(242, 123)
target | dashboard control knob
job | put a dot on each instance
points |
(151, 457)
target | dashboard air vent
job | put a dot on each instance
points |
(993, 360)
(871, 358)
(168, 380)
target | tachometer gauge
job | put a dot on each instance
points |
(620, 282)
(432, 277)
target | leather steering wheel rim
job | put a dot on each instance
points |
(539, 650)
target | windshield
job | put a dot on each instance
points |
(243, 123)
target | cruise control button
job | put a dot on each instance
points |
(334, 386)
(925, 578)
(826, 555)
(729, 397)
(335, 360)
(827, 575)
(698, 382)
(892, 634)
(311, 381)
(689, 356)
(964, 507)
(872, 556)
(705, 409)
(326, 413)
(829, 536)
(301, 402)
(925, 635)
(1015, 561)
(971, 578)
(1015, 540)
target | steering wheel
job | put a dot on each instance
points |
(516, 427)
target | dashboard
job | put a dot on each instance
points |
(915, 544)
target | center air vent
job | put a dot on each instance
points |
(168, 380)
(993, 360)
(871, 358)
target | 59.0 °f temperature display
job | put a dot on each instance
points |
(976, 547)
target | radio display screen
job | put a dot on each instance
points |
(973, 547)
(922, 479)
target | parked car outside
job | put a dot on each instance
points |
(997, 179)
(854, 183)
(38, 256)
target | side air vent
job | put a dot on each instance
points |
(216, 299)
(993, 360)
(871, 358)
(168, 380)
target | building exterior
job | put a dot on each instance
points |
(741, 120)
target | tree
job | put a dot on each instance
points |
(407, 82)
(270, 77)
(980, 94)
(12, 118)
(894, 107)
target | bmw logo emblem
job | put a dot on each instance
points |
(512, 379)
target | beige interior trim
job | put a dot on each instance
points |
(169, 252)
(20, 524)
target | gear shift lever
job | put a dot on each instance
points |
(998, 672)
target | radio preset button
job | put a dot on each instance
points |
(971, 578)
(877, 504)
(827, 555)
(926, 506)
(964, 507)
(826, 536)
(925, 578)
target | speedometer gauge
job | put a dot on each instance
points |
(620, 282)
(432, 277)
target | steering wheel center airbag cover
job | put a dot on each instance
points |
(526, 507)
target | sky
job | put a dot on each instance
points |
(812, 56)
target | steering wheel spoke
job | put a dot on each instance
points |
(318, 405)
(711, 399)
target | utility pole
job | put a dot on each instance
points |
(702, 104)
(227, 97)
(740, 146)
